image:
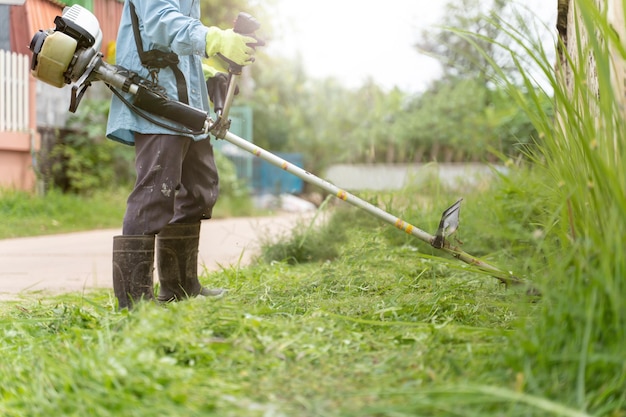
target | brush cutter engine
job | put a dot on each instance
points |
(62, 55)
(70, 54)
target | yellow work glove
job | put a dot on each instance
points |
(217, 63)
(231, 46)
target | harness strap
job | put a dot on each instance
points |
(154, 59)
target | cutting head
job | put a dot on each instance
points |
(448, 224)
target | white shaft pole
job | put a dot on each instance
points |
(504, 277)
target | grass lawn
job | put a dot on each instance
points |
(368, 331)
(26, 214)
(353, 318)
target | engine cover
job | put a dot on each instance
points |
(61, 55)
(52, 60)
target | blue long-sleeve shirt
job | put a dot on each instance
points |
(167, 25)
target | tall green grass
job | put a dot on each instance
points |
(573, 351)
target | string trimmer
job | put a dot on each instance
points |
(69, 54)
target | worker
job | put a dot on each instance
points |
(176, 178)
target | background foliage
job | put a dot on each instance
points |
(463, 116)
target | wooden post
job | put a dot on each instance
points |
(571, 32)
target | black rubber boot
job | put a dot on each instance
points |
(133, 269)
(177, 263)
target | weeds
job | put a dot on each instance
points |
(365, 330)
(571, 352)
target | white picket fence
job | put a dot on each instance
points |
(14, 103)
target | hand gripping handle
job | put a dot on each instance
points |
(244, 24)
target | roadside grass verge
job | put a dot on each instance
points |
(26, 214)
(381, 327)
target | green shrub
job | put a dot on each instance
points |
(83, 160)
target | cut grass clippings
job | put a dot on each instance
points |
(364, 333)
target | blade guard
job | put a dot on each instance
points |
(448, 224)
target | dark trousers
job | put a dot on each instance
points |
(177, 182)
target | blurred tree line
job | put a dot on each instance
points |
(462, 116)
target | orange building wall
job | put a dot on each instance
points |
(40, 14)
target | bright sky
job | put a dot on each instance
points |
(352, 40)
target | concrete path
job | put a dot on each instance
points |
(82, 261)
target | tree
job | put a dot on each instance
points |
(459, 56)
(465, 114)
